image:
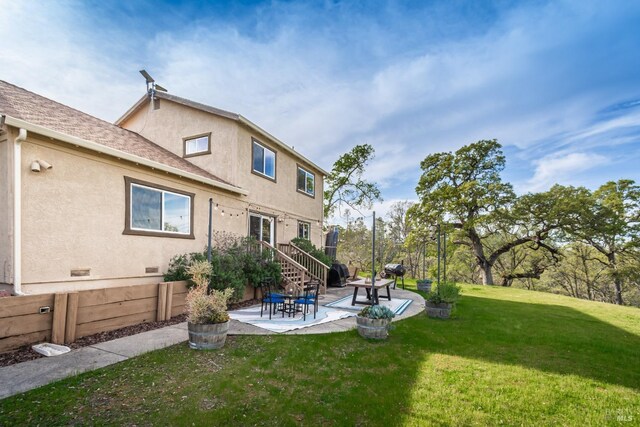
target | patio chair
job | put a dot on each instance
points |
(271, 287)
(310, 298)
(269, 298)
(353, 275)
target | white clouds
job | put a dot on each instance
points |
(46, 49)
(562, 169)
(381, 209)
(325, 79)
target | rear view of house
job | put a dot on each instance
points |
(90, 204)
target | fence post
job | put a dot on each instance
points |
(59, 318)
(167, 313)
(72, 317)
(162, 302)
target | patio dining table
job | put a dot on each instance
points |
(289, 306)
(372, 299)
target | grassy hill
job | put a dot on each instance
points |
(509, 356)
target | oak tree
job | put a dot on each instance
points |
(464, 191)
(345, 184)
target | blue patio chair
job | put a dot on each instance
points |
(269, 298)
(272, 287)
(310, 298)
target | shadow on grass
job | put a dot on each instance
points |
(551, 338)
(341, 379)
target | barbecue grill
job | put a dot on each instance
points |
(395, 271)
(338, 275)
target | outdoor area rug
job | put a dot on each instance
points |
(397, 305)
(277, 323)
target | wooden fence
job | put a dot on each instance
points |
(64, 317)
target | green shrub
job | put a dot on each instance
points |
(180, 263)
(311, 249)
(227, 273)
(260, 265)
(235, 262)
(445, 292)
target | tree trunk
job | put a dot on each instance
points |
(617, 282)
(487, 275)
(483, 263)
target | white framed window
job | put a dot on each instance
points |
(262, 227)
(264, 160)
(304, 230)
(197, 145)
(306, 182)
(157, 210)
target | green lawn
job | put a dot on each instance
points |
(509, 357)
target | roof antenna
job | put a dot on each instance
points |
(152, 88)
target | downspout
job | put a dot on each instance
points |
(17, 212)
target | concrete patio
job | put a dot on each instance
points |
(341, 325)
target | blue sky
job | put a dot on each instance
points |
(557, 83)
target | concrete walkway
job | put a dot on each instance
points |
(25, 376)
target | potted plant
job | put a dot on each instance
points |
(424, 285)
(373, 322)
(207, 317)
(440, 302)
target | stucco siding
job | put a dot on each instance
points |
(171, 123)
(280, 198)
(74, 217)
(231, 159)
(6, 207)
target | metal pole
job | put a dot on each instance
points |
(373, 259)
(381, 251)
(438, 228)
(444, 257)
(424, 259)
(209, 239)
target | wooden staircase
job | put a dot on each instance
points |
(315, 269)
(294, 275)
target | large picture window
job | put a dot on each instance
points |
(157, 211)
(264, 160)
(197, 145)
(306, 182)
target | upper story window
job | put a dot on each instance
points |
(154, 210)
(306, 182)
(197, 145)
(304, 230)
(264, 160)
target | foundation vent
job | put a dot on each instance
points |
(80, 272)
(151, 269)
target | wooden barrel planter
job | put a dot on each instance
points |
(440, 310)
(424, 285)
(377, 329)
(207, 337)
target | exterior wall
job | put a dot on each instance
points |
(171, 123)
(280, 198)
(73, 217)
(6, 207)
(231, 159)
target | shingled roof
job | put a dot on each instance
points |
(38, 110)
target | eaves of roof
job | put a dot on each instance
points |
(100, 148)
